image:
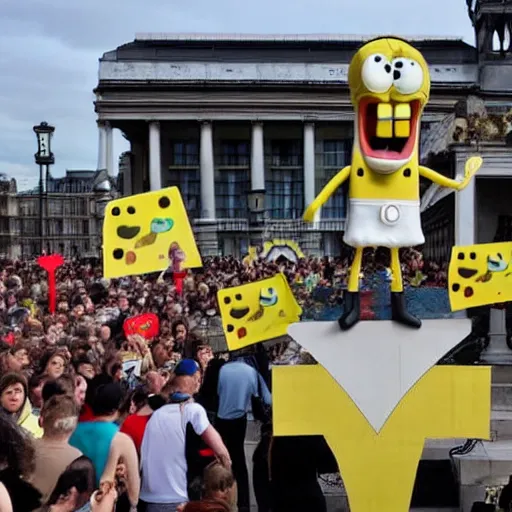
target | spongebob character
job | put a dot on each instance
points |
(257, 311)
(139, 231)
(389, 84)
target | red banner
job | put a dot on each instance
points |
(146, 325)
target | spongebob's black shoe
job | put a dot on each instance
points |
(351, 310)
(399, 311)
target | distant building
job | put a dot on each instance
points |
(72, 214)
(9, 219)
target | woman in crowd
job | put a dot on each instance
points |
(14, 402)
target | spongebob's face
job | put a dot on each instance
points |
(389, 85)
(138, 232)
(257, 311)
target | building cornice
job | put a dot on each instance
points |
(260, 72)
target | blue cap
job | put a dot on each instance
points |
(186, 367)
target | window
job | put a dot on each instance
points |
(287, 153)
(185, 154)
(184, 174)
(335, 155)
(284, 181)
(231, 190)
(234, 154)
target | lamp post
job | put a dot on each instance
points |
(44, 157)
(256, 207)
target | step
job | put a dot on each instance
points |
(501, 396)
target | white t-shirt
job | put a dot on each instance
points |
(163, 462)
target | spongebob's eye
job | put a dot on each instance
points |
(376, 73)
(408, 75)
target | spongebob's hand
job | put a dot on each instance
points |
(309, 214)
(470, 169)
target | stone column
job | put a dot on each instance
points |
(102, 146)
(257, 158)
(206, 226)
(109, 149)
(155, 164)
(309, 166)
(207, 172)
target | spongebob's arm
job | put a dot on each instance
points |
(439, 179)
(326, 193)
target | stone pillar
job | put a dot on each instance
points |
(206, 226)
(155, 164)
(102, 146)
(257, 158)
(207, 172)
(309, 166)
(109, 149)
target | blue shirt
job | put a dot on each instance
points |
(238, 382)
(93, 439)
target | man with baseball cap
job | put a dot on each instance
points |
(163, 460)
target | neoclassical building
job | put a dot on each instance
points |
(251, 127)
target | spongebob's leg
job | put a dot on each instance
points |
(398, 308)
(351, 304)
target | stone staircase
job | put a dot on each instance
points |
(490, 462)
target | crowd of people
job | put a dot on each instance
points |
(95, 419)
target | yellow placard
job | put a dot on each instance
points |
(480, 275)
(379, 470)
(257, 311)
(144, 232)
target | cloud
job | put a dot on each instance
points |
(49, 62)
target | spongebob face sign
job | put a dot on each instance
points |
(257, 311)
(389, 85)
(480, 275)
(140, 232)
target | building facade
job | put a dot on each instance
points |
(9, 219)
(235, 121)
(72, 215)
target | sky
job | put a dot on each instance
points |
(49, 51)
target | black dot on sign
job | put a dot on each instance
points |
(407, 172)
(118, 254)
(377, 58)
(399, 64)
(468, 292)
(396, 75)
(227, 300)
(164, 202)
(473, 256)
(130, 210)
(387, 67)
(360, 172)
(455, 287)
(412, 63)
(230, 328)
(116, 211)
(238, 296)
(460, 256)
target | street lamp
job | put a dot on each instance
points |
(256, 207)
(44, 157)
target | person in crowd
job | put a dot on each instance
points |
(163, 461)
(14, 402)
(101, 441)
(80, 390)
(17, 465)
(74, 488)
(35, 390)
(140, 413)
(238, 384)
(53, 364)
(53, 453)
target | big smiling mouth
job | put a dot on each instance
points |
(388, 130)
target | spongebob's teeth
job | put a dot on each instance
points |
(384, 129)
(402, 120)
